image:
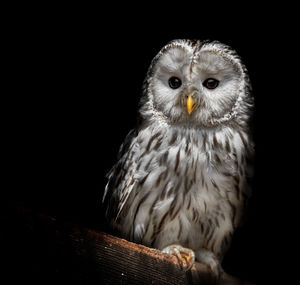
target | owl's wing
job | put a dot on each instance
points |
(248, 182)
(121, 182)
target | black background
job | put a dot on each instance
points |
(74, 81)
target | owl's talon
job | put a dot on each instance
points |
(185, 256)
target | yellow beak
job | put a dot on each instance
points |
(190, 104)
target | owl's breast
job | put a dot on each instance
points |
(182, 183)
(175, 162)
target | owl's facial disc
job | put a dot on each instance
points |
(195, 84)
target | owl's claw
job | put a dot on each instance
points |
(185, 256)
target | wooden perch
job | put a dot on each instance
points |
(46, 249)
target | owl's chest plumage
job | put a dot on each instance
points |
(180, 178)
(185, 186)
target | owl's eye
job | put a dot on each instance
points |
(211, 83)
(174, 82)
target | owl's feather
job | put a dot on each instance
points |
(181, 178)
(121, 181)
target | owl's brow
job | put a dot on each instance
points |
(232, 58)
(193, 61)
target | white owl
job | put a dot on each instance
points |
(180, 184)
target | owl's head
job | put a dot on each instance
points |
(196, 83)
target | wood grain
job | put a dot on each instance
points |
(45, 249)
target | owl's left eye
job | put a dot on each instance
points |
(174, 82)
(211, 83)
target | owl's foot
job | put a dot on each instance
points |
(209, 258)
(185, 256)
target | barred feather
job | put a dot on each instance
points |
(182, 179)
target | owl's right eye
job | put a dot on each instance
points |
(174, 82)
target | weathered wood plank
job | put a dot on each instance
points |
(60, 251)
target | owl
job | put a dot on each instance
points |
(181, 180)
